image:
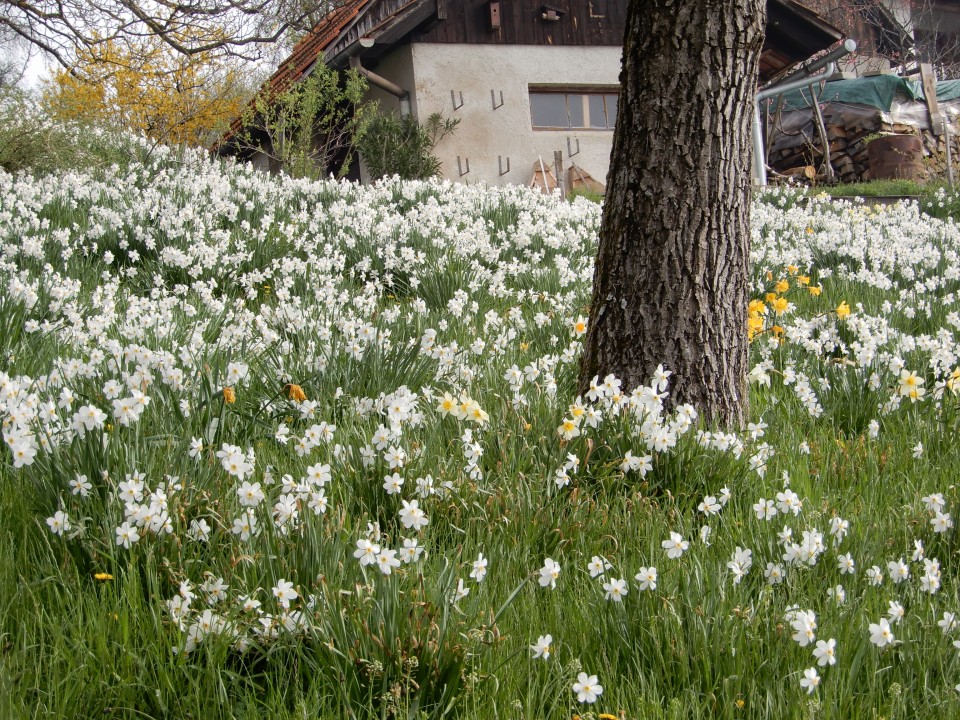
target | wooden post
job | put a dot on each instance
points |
(929, 80)
(558, 164)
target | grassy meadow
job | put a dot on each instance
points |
(291, 449)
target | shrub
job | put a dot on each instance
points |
(395, 145)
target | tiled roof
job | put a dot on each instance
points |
(304, 54)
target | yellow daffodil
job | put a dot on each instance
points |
(843, 311)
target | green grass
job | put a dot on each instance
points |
(288, 277)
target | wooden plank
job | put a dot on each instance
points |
(929, 80)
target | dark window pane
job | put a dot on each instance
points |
(548, 110)
(611, 110)
(575, 103)
(597, 116)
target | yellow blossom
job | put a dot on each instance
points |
(757, 306)
(229, 396)
(780, 305)
(843, 311)
(782, 286)
(815, 290)
(793, 269)
(447, 404)
(952, 380)
(102, 576)
(295, 392)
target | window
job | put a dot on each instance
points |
(559, 110)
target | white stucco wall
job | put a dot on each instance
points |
(397, 67)
(484, 134)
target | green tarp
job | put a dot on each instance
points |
(878, 91)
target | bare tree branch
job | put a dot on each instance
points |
(243, 28)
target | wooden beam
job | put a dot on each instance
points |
(929, 80)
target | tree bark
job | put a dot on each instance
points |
(671, 280)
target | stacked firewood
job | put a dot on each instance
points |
(802, 160)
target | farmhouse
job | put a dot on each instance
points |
(527, 80)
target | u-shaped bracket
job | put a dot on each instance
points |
(453, 98)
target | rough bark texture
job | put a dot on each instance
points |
(671, 279)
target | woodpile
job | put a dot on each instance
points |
(848, 139)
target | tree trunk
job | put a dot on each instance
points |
(671, 280)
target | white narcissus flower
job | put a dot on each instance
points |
(366, 551)
(549, 573)
(825, 652)
(675, 546)
(880, 634)
(127, 535)
(479, 571)
(284, 593)
(59, 523)
(587, 688)
(647, 578)
(387, 560)
(543, 647)
(615, 590)
(411, 516)
(810, 680)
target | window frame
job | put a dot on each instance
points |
(586, 92)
